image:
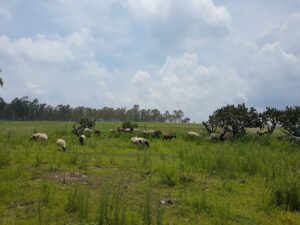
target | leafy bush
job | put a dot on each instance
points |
(129, 124)
(82, 124)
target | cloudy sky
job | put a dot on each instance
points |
(193, 55)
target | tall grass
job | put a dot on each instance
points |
(45, 192)
(73, 158)
(111, 209)
(167, 175)
(78, 201)
(5, 156)
(103, 209)
(285, 192)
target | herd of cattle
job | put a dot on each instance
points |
(142, 141)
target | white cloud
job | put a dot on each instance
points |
(201, 10)
(60, 69)
(287, 34)
(274, 53)
(182, 23)
(104, 93)
(92, 68)
(39, 49)
(55, 49)
(272, 68)
(183, 83)
(148, 8)
(141, 76)
(35, 88)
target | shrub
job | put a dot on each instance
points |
(129, 124)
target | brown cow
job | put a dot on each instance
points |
(97, 132)
(168, 137)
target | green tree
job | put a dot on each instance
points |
(167, 116)
(236, 118)
(82, 124)
(186, 120)
(290, 115)
(211, 125)
(178, 115)
(270, 117)
(293, 130)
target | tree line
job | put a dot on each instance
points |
(26, 109)
(236, 119)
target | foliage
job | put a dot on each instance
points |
(186, 120)
(292, 130)
(270, 117)
(87, 123)
(290, 121)
(211, 125)
(236, 118)
(290, 115)
(129, 124)
(83, 123)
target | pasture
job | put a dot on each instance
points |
(253, 180)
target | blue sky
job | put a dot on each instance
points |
(192, 55)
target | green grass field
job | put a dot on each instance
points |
(253, 180)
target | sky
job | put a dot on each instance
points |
(194, 55)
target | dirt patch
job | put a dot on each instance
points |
(67, 177)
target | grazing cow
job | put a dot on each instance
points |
(128, 129)
(39, 137)
(168, 137)
(216, 137)
(120, 129)
(261, 132)
(193, 135)
(82, 139)
(61, 144)
(112, 131)
(139, 141)
(148, 133)
(97, 132)
(156, 134)
(87, 132)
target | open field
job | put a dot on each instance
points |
(253, 180)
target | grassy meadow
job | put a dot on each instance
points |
(253, 180)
